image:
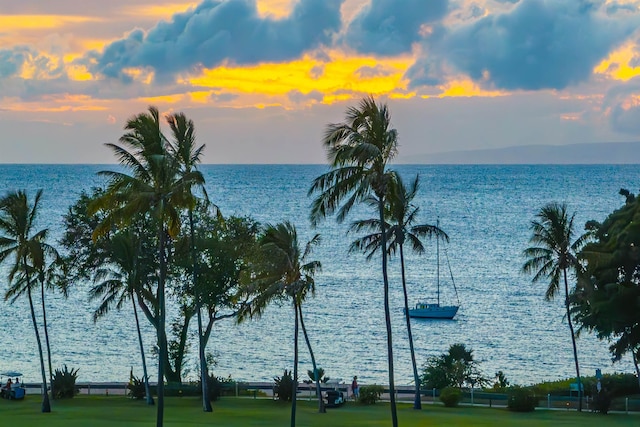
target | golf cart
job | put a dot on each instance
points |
(334, 398)
(15, 390)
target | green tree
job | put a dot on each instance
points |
(29, 249)
(608, 302)
(151, 183)
(285, 274)
(124, 277)
(224, 246)
(552, 257)
(121, 262)
(400, 215)
(188, 154)
(455, 368)
(359, 150)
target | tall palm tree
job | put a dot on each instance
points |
(153, 185)
(552, 257)
(286, 274)
(20, 240)
(184, 149)
(359, 150)
(49, 276)
(122, 280)
(401, 215)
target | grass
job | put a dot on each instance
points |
(231, 412)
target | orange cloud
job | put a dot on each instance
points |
(617, 65)
(162, 11)
(340, 75)
(39, 22)
(274, 8)
(465, 88)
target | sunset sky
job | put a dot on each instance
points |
(262, 78)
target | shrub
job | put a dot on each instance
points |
(450, 396)
(370, 394)
(218, 385)
(64, 383)
(284, 386)
(521, 399)
(135, 387)
(602, 402)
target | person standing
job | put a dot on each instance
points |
(355, 389)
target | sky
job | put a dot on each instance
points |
(262, 79)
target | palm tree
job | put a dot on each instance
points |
(49, 277)
(285, 274)
(188, 155)
(358, 150)
(122, 280)
(401, 214)
(17, 222)
(156, 186)
(552, 256)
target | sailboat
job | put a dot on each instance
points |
(433, 310)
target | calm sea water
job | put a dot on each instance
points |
(484, 209)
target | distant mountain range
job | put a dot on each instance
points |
(591, 153)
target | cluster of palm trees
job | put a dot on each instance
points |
(34, 262)
(360, 150)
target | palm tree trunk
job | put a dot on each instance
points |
(635, 363)
(147, 389)
(294, 386)
(162, 334)
(321, 407)
(387, 313)
(573, 340)
(206, 403)
(46, 338)
(46, 405)
(417, 402)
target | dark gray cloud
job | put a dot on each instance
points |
(220, 31)
(624, 112)
(613, 8)
(390, 27)
(539, 44)
(11, 61)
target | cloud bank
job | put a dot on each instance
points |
(538, 44)
(390, 27)
(218, 32)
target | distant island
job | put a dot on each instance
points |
(587, 153)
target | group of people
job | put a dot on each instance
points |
(11, 385)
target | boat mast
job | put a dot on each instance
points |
(438, 261)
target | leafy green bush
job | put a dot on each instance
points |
(284, 386)
(217, 386)
(456, 367)
(370, 394)
(135, 387)
(521, 399)
(321, 376)
(602, 402)
(64, 383)
(450, 396)
(618, 385)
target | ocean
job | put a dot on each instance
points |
(486, 211)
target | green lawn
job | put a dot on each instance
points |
(229, 412)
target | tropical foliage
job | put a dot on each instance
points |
(553, 257)
(359, 150)
(455, 368)
(401, 215)
(28, 247)
(608, 301)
